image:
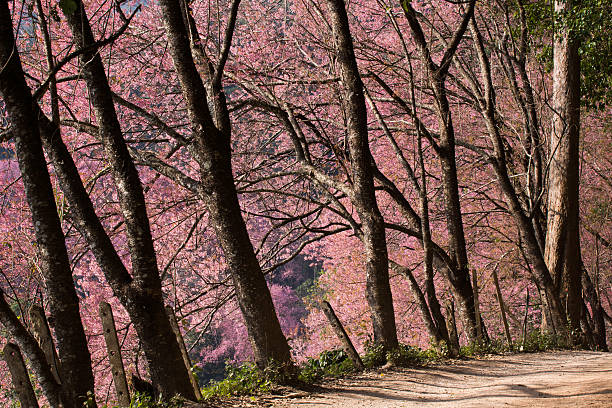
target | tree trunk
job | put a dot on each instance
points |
(525, 318)
(217, 190)
(181, 342)
(440, 259)
(42, 334)
(428, 256)
(347, 344)
(502, 308)
(19, 375)
(599, 325)
(142, 296)
(463, 291)
(552, 308)
(587, 337)
(477, 306)
(113, 350)
(27, 343)
(451, 326)
(436, 76)
(426, 315)
(378, 289)
(254, 298)
(76, 370)
(562, 249)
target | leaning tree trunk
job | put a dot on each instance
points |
(552, 308)
(378, 289)
(217, 189)
(141, 300)
(252, 292)
(27, 343)
(141, 296)
(562, 249)
(419, 298)
(76, 373)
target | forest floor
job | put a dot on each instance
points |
(550, 379)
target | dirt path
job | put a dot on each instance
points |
(560, 379)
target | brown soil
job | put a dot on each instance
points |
(556, 379)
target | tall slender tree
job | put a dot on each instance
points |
(140, 292)
(437, 74)
(211, 135)
(562, 250)
(378, 289)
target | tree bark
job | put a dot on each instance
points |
(76, 373)
(426, 315)
(113, 350)
(217, 190)
(347, 344)
(552, 308)
(142, 296)
(19, 375)
(436, 76)
(502, 308)
(378, 289)
(42, 334)
(28, 344)
(597, 312)
(525, 318)
(428, 256)
(562, 249)
(477, 306)
(181, 342)
(451, 326)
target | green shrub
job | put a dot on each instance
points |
(437, 350)
(146, 401)
(331, 363)
(535, 341)
(374, 356)
(479, 349)
(248, 379)
(538, 341)
(240, 380)
(405, 356)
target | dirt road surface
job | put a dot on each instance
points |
(560, 379)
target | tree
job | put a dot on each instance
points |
(562, 251)
(378, 291)
(336, 182)
(75, 370)
(483, 96)
(141, 293)
(240, 133)
(436, 75)
(51, 389)
(211, 132)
